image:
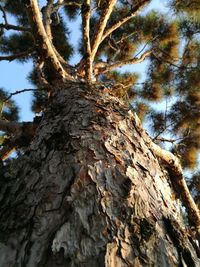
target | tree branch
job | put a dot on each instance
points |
(96, 40)
(162, 139)
(14, 27)
(4, 14)
(175, 173)
(41, 79)
(17, 56)
(8, 26)
(85, 11)
(45, 48)
(122, 21)
(47, 18)
(97, 37)
(100, 68)
(124, 37)
(18, 92)
(47, 11)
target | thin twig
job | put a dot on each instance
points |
(145, 45)
(126, 37)
(122, 21)
(8, 26)
(111, 45)
(15, 93)
(162, 139)
(17, 56)
(166, 110)
(162, 131)
(18, 92)
(161, 58)
(4, 14)
(14, 27)
(134, 60)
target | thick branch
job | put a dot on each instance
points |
(47, 11)
(17, 56)
(47, 18)
(45, 47)
(131, 14)
(96, 40)
(101, 26)
(101, 68)
(176, 175)
(14, 27)
(86, 37)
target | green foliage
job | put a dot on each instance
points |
(142, 109)
(60, 34)
(17, 9)
(121, 83)
(72, 11)
(39, 102)
(8, 111)
(8, 108)
(191, 7)
(194, 185)
(17, 43)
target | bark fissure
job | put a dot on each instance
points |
(176, 176)
(88, 201)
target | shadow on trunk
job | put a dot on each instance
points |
(90, 192)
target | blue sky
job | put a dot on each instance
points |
(13, 75)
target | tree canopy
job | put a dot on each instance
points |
(114, 34)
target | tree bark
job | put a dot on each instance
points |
(90, 192)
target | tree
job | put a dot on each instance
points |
(89, 186)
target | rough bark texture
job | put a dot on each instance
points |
(90, 192)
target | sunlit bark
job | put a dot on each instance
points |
(90, 191)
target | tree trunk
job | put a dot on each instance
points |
(89, 192)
